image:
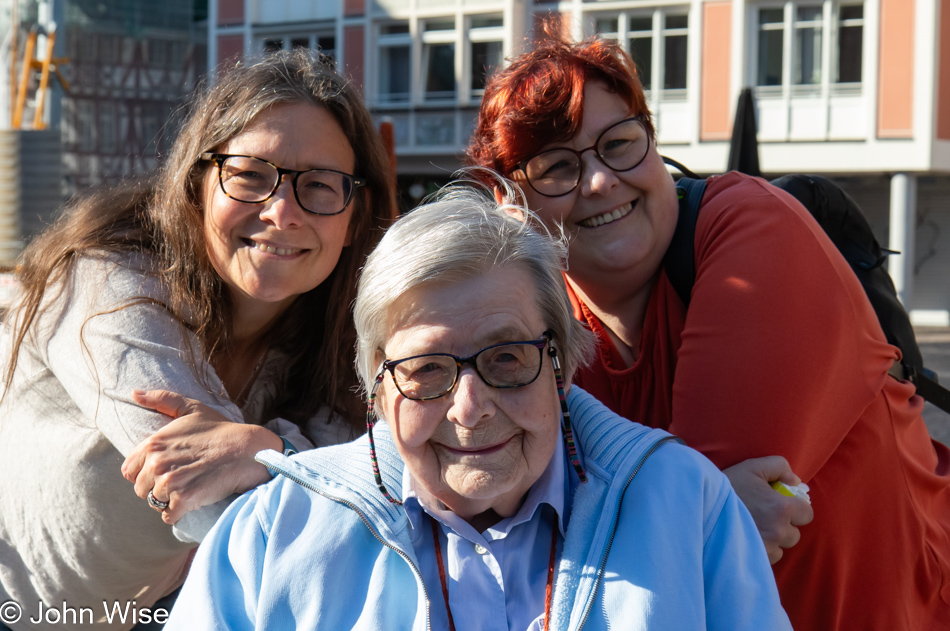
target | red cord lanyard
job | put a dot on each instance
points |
(548, 590)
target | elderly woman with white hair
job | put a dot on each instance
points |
(492, 495)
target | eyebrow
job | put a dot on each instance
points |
(501, 335)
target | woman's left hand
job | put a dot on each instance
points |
(197, 459)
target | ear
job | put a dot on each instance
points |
(498, 197)
(511, 209)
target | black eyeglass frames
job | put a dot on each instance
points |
(506, 365)
(556, 172)
(254, 180)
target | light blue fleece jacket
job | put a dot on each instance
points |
(657, 539)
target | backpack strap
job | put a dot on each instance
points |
(925, 380)
(679, 260)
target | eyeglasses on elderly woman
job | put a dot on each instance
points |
(557, 172)
(433, 375)
(254, 180)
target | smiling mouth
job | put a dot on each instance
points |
(477, 451)
(606, 218)
(270, 249)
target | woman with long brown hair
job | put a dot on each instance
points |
(216, 292)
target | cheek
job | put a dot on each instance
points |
(542, 416)
(217, 224)
(551, 210)
(411, 423)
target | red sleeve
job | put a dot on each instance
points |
(781, 351)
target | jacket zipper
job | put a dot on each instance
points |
(372, 530)
(613, 531)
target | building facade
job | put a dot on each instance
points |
(122, 70)
(857, 90)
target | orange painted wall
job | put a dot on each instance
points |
(353, 39)
(943, 80)
(230, 12)
(714, 118)
(896, 79)
(354, 7)
(230, 47)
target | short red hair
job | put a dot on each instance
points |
(539, 98)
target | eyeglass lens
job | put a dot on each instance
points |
(557, 172)
(253, 180)
(503, 366)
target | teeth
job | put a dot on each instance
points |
(606, 218)
(272, 250)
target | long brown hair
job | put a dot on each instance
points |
(162, 215)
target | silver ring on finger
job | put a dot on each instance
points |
(156, 503)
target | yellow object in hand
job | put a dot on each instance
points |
(800, 491)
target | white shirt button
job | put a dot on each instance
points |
(480, 549)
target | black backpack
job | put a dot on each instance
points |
(842, 220)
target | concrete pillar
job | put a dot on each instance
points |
(903, 217)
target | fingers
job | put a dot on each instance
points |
(133, 463)
(771, 468)
(170, 508)
(801, 513)
(164, 402)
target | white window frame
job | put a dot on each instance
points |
(287, 38)
(479, 35)
(821, 111)
(427, 40)
(656, 94)
(389, 41)
(829, 24)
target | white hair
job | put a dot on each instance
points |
(464, 233)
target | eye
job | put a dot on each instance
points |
(426, 369)
(558, 167)
(320, 182)
(555, 165)
(505, 358)
(616, 144)
(244, 175)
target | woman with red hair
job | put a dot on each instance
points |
(779, 354)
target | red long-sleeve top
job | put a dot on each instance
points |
(780, 352)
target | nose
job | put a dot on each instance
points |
(597, 178)
(282, 209)
(472, 400)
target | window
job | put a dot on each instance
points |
(326, 44)
(808, 31)
(850, 43)
(438, 59)
(640, 47)
(813, 27)
(674, 51)
(657, 41)
(321, 41)
(771, 34)
(486, 50)
(395, 60)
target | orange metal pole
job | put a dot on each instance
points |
(14, 49)
(38, 122)
(24, 80)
